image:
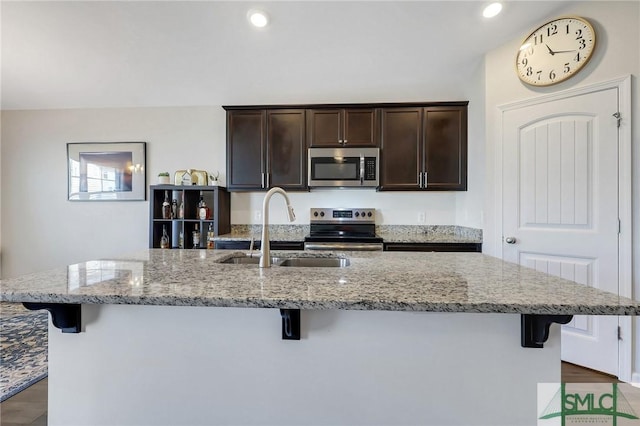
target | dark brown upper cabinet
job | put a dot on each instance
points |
(246, 144)
(423, 145)
(266, 148)
(400, 157)
(286, 149)
(424, 148)
(343, 127)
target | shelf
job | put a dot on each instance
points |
(217, 199)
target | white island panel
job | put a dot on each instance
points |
(169, 365)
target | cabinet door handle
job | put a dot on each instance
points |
(263, 180)
(340, 142)
(419, 179)
(268, 180)
(426, 180)
(344, 142)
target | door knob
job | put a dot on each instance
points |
(510, 240)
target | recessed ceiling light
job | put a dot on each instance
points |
(492, 10)
(258, 18)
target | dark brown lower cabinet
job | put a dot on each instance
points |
(442, 247)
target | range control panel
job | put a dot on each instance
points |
(356, 215)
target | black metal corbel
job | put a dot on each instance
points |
(290, 324)
(535, 328)
(66, 317)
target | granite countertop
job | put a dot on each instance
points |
(389, 233)
(276, 233)
(395, 281)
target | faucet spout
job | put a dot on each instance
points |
(265, 257)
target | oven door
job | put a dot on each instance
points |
(340, 246)
(343, 167)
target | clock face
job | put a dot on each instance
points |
(556, 51)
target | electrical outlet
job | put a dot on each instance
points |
(422, 217)
(257, 215)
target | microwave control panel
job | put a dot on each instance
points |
(369, 168)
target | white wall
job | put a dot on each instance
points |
(41, 228)
(617, 54)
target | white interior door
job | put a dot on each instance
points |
(560, 206)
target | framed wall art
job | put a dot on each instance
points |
(106, 171)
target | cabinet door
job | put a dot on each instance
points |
(445, 153)
(343, 127)
(401, 149)
(286, 148)
(325, 127)
(245, 149)
(360, 127)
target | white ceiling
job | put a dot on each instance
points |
(82, 54)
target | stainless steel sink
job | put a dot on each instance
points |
(246, 260)
(319, 262)
(314, 262)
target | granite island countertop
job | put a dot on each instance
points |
(394, 281)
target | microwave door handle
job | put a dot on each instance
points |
(361, 170)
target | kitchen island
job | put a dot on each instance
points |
(179, 337)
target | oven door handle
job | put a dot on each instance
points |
(344, 246)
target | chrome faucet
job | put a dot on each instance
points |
(265, 258)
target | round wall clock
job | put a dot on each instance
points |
(555, 51)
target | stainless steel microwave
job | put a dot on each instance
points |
(344, 167)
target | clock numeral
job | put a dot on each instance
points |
(582, 44)
(567, 68)
(579, 34)
(529, 71)
(551, 30)
(552, 75)
(577, 58)
(535, 39)
(525, 61)
(567, 28)
(539, 74)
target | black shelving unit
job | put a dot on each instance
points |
(217, 199)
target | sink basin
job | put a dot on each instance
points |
(314, 262)
(246, 260)
(320, 262)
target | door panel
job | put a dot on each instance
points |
(245, 144)
(286, 148)
(325, 127)
(580, 270)
(401, 148)
(556, 188)
(445, 153)
(560, 203)
(360, 127)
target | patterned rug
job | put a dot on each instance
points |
(23, 348)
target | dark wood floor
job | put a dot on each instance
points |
(29, 407)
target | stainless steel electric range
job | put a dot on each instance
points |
(343, 229)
